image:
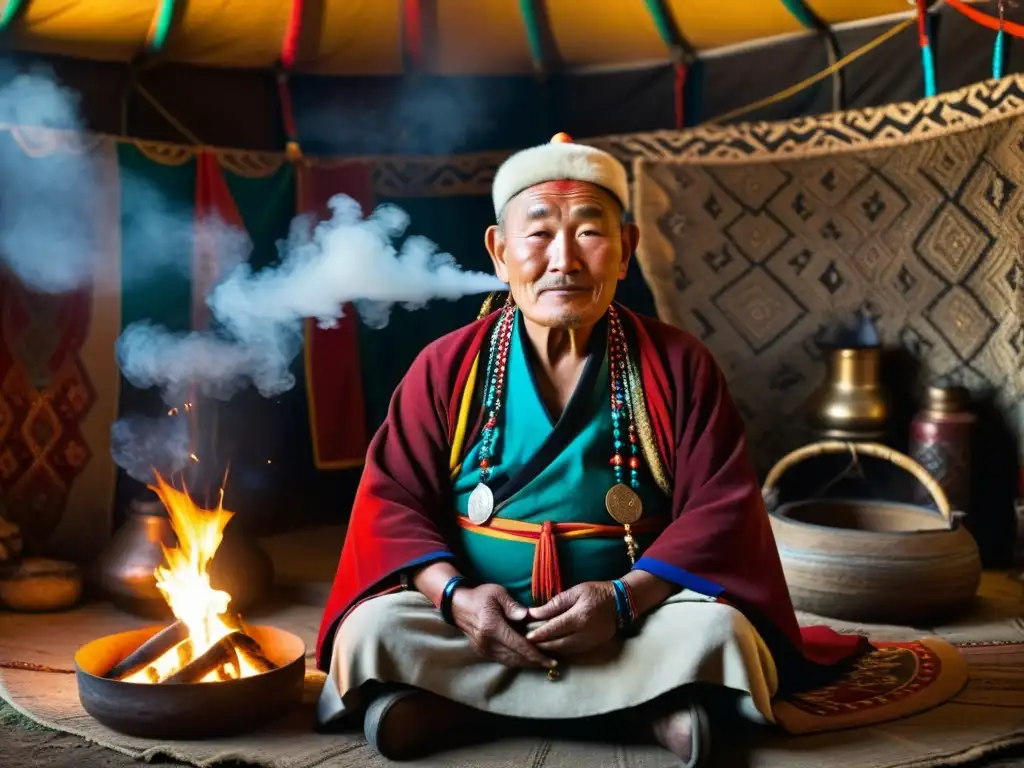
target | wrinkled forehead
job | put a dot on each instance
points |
(577, 199)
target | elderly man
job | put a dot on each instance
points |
(558, 520)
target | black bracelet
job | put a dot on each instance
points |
(446, 598)
(624, 606)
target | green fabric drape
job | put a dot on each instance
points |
(156, 258)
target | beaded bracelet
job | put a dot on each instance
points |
(625, 606)
(446, 598)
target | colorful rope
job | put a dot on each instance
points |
(11, 11)
(412, 32)
(290, 44)
(289, 54)
(980, 17)
(998, 51)
(682, 50)
(792, 90)
(927, 59)
(160, 28)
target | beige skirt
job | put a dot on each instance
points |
(401, 638)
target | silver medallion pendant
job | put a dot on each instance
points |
(481, 504)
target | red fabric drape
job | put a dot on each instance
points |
(213, 201)
(334, 382)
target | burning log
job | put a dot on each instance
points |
(232, 650)
(250, 652)
(149, 651)
(220, 653)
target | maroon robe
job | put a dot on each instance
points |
(719, 542)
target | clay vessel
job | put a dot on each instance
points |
(873, 560)
(125, 571)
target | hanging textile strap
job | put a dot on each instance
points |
(543, 49)
(160, 27)
(683, 52)
(803, 13)
(11, 10)
(289, 54)
(927, 60)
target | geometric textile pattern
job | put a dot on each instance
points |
(854, 130)
(759, 259)
(59, 381)
(45, 394)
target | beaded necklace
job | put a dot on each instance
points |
(622, 501)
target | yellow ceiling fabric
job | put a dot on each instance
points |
(364, 37)
(605, 32)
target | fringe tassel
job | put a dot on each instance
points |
(547, 577)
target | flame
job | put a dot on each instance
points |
(184, 581)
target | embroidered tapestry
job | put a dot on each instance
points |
(758, 238)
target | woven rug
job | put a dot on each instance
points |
(905, 675)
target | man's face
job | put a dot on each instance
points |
(562, 250)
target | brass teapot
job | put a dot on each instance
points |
(125, 570)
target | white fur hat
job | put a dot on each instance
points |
(559, 160)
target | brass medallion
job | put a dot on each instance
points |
(623, 504)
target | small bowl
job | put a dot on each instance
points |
(189, 710)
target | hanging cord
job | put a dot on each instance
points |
(287, 59)
(174, 122)
(680, 95)
(997, 51)
(803, 13)
(808, 82)
(927, 59)
(980, 17)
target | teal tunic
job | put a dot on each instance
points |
(568, 485)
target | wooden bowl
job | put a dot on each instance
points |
(873, 561)
(190, 710)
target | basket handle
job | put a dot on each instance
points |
(874, 450)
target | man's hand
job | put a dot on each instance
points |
(484, 613)
(577, 620)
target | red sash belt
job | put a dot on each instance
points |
(547, 578)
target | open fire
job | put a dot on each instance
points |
(205, 643)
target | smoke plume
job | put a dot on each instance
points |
(49, 238)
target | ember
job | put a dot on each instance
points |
(206, 643)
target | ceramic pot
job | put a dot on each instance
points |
(940, 441)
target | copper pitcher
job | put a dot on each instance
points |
(850, 404)
(125, 571)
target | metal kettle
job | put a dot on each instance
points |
(125, 571)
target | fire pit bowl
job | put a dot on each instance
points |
(189, 710)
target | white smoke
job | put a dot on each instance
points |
(258, 316)
(50, 238)
(56, 192)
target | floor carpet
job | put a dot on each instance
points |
(981, 719)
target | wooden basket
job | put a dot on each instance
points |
(872, 560)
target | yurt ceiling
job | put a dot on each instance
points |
(375, 37)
